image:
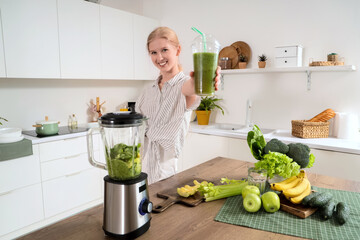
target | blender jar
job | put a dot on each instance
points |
(123, 137)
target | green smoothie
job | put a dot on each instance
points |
(205, 64)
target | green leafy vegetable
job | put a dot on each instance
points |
(256, 142)
(213, 192)
(311, 161)
(3, 119)
(123, 161)
(278, 163)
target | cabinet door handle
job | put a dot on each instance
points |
(72, 174)
(73, 156)
(5, 193)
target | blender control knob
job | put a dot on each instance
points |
(146, 206)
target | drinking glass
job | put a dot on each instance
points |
(257, 177)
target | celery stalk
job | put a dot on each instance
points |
(213, 192)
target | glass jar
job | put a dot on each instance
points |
(225, 63)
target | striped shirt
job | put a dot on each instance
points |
(168, 123)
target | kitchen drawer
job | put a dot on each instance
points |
(20, 172)
(65, 166)
(20, 208)
(65, 193)
(62, 148)
(287, 62)
(288, 51)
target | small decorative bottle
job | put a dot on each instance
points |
(74, 123)
(70, 122)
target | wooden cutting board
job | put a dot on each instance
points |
(173, 197)
(295, 209)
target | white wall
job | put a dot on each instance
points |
(322, 27)
(25, 101)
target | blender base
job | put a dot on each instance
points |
(131, 235)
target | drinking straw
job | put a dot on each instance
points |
(202, 36)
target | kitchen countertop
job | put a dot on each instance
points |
(36, 140)
(179, 221)
(330, 143)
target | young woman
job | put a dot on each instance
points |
(167, 103)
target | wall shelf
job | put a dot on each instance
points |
(307, 70)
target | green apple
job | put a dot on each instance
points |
(270, 201)
(252, 202)
(250, 189)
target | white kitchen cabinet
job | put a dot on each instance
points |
(336, 164)
(2, 54)
(79, 38)
(144, 68)
(69, 180)
(20, 172)
(70, 191)
(117, 40)
(65, 166)
(199, 148)
(239, 149)
(20, 192)
(66, 148)
(20, 208)
(30, 38)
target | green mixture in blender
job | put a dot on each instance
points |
(123, 161)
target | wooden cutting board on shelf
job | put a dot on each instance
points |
(295, 209)
(173, 197)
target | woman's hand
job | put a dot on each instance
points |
(217, 78)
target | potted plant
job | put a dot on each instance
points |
(242, 61)
(262, 61)
(204, 109)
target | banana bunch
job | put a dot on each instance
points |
(295, 188)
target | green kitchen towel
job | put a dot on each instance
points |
(15, 150)
(312, 227)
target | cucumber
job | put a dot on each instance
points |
(327, 211)
(342, 213)
(306, 200)
(320, 200)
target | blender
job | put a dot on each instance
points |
(127, 206)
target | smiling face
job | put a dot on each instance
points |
(164, 55)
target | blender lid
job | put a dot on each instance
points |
(121, 118)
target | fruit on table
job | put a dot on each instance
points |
(288, 183)
(307, 199)
(342, 213)
(298, 199)
(302, 185)
(252, 202)
(295, 188)
(320, 200)
(327, 211)
(270, 201)
(188, 190)
(250, 189)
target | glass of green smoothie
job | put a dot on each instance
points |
(205, 54)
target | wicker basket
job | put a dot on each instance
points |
(303, 129)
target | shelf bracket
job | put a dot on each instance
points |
(308, 73)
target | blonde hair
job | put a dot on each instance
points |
(166, 33)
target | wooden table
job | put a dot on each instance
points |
(181, 222)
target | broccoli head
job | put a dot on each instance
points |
(300, 153)
(275, 145)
